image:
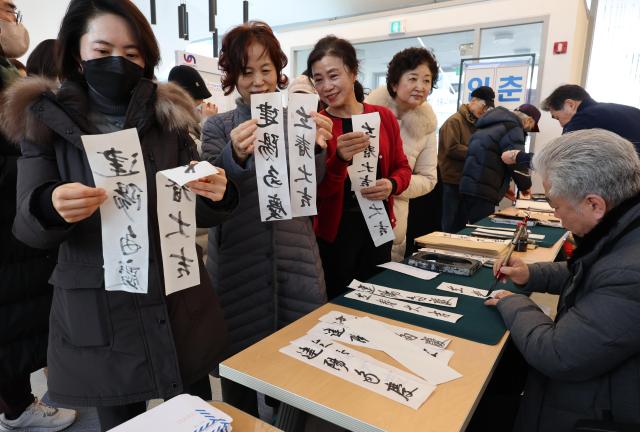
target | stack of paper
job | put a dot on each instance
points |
(184, 413)
(541, 206)
(464, 244)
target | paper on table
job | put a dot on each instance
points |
(423, 338)
(409, 270)
(392, 293)
(400, 305)
(177, 224)
(541, 206)
(362, 370)
(461, 289)
(481, 258)
(302, 142)
(183, 413)
(507, 233)
(364, 165)
(117, 166)
(270, 157)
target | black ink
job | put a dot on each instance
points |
(382, 228)
(388, 293)
(341, 319)
(368, 377)
(128, 245)
(432, 341)
(305, 199)
(412, 308)
(399, 388)
(274, 206)
(304, 118)
(336, 364)
(303, 145)
(116, 162)
(384, 301)
(306, 176)
(126, 196)
(309, 352)
(178, 191)
(269, 147)
(271, 178)
(343, 352)
(407, 336)
(191, 168)
(370, 151)
(363, 296)
(183, 263)
(367, 167)
(377, 210)
(323, 345)
(369, 129)
(268, 114)
(129, 274)
(333, 332)
(181, 224)
(365, 181)
(358, 338)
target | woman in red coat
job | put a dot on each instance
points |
(346, 247)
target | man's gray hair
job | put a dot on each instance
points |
(590, 161)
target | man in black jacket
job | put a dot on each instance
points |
(574, 109)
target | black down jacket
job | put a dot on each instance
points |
(484, 175)
(112, 347)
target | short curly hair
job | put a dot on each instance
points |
(233, 55)
(409, 59)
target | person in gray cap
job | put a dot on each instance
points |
(453, 142)
(189, 79)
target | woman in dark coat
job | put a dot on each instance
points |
(112, 349)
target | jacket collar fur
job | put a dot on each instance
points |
(23, 112)
(416, 123)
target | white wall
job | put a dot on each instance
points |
(567, 21)
(42, 18)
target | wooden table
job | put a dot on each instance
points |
(262, 368)
(243, 422)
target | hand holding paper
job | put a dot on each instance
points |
(350, 144)
(380, 191)
(75, 202)
(212, 186)
(324, 125)
(243, 139)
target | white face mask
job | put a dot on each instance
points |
(14, 39)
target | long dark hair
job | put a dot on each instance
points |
(341, 48)
(42, 60)
(233, 55)
(74, 25)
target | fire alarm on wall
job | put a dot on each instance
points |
(560, 47)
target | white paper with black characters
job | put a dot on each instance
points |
(117, 165)
(302, 162)
(361, 370)
(270, 157)
(177, 224)
(404, 306)
(393, 293)
(377, 220)
(462, 289)
(364, 166)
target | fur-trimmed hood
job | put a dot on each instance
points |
(415, 123)
(173, 107)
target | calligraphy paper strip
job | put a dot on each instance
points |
(392, 293)
(404, 306)
(270, 157)
(409, 270)
(364, 165)
(464, 290)
(177, 224)
(302, 163)
(118, 167)
(376, 219)
(422, 338)
(361, 370)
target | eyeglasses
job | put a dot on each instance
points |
(15, 12)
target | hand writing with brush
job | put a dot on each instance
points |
(514, 269)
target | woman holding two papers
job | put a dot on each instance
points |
(344, 238)
(114, 349)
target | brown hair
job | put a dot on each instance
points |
(233, 55)
(74, 25)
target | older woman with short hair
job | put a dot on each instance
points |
(411, 76)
